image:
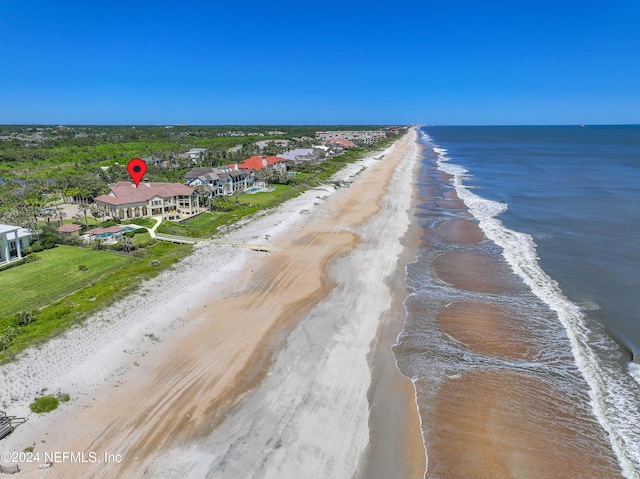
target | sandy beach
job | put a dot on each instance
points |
(249, 365)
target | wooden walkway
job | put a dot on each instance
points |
(176, 239)
(9, 423)
(266, 248)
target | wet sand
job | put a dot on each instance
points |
(478, 432)
(475, 271)
(463, 232)
(386, 456)
(488, 329)
(499, 423)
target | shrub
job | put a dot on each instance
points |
(44, 404)
(48, 403)
(111, 222)
(49, 242)
(25, 317)
(36, 247)
(7, 336)
(97, 244)
(31, 258)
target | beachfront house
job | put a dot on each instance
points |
(276, 163)
(13, 241)
(220, 181)
(171, 201)
(314, 154)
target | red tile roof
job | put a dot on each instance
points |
(257, 163)
(341, 142)
(124, 192)
(69, 228)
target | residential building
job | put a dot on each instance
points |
(152, 160)
(13, 241)
(70, 229)
(340, 142)
(220, 181)
(265, 143)
(193, 153)
(262, 163)
(172, 201)
(365, 137)
(306, 155)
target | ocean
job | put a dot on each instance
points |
(525, 313)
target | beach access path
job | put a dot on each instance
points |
(241, 364)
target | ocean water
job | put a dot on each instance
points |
(560, 207)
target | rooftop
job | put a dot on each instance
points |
(125, 192)
(69, 228)
(22, 232)
(258, 162)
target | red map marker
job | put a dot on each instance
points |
(137, 168)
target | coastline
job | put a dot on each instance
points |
(396, 446)
(184, 388)
(492, 400)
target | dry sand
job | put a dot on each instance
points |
(279, 348)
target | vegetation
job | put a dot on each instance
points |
(31, 286)
(48, 403)
(41, 167)
(59, 315)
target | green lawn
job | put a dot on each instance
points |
(54, 275)
(263, 199)
(116, 283)
(145, 222)
(142, 240)
(54, 223)
(206, 225)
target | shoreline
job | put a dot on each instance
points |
(396, 447)
(184, 397)
(496, 397)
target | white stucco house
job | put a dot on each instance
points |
(13, 241)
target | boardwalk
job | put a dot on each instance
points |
(267, 248)
(9, 423)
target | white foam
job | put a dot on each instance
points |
(610, 400)
(634, 371)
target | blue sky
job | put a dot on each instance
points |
(312, 62)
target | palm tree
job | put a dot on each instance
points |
(126, 243)
(61, 214)
(85, 208)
